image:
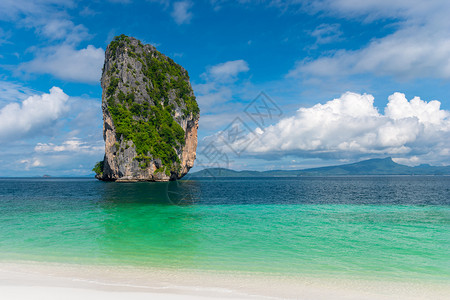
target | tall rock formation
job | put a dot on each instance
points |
(150, 115)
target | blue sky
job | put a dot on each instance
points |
(342, 74)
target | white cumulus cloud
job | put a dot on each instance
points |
(60, 55)
(72, 145)
(58, 29)
(326, 33)
(181, 13)
(229, 69)
(13, 9)
(10, 91)
(412, 53)
(32, 114)
(31, 163)
(350, 126)
(220, 83)
(419, 46)
(68, 63)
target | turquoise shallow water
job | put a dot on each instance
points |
(382, 227)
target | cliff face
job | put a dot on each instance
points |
(150, 115)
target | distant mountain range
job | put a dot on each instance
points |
(377, 166)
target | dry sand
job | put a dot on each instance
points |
(30, 280)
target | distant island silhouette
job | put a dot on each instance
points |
(377, 166)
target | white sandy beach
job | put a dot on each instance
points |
(54, 281)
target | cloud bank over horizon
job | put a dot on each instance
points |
(48, 132)
(350, 127)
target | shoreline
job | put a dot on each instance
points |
(21, 280)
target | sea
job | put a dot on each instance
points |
(394, 228)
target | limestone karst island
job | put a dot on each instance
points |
(150, 115)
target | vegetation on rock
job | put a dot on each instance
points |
(98, 169)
